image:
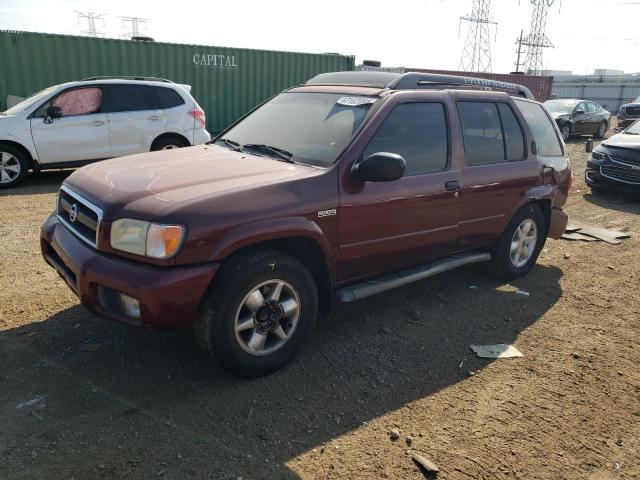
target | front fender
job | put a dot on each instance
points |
(266, 230)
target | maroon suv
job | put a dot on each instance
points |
(352, 184)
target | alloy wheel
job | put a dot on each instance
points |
(523, 243)
(267, 317)
(566, 132)
(9, 167)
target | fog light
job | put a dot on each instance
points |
(129, 305)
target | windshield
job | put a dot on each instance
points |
(26, 103)
(560, 106)
(634, 128)
(313, 127)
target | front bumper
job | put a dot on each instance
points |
(613, 175)
(624, 122)
(168, 296)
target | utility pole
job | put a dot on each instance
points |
(135, 23)
(476, 55)
(91, 18)
(537, 40)
(519, 42)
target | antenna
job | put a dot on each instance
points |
(91, 18)
(537, 40)
(135, 23)
(476, 55)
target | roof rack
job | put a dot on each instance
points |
(121, 77)
(413, 80)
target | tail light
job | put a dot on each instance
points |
(199, 115)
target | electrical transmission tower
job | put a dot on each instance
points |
(476, 55)
(135, 23)
(91, 18)
(537, 40)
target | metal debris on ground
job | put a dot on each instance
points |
(425, 463)
(500, 350)
(593, 234)
(522, 292)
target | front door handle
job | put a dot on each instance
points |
(452, 186)
(153, 117)
(97, 123)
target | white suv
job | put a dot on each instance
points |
(76, 123)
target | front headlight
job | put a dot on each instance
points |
(598, 155)
(144, 238)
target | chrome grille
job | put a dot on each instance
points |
(79, 215)
(620, 174)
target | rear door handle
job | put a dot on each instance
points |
(452, 185)
(97, 123)
(153, 117)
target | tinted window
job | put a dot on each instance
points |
(482, 133)
(167, 97)
(513, 136)
(592, 107)
(417, 132)
(581, 106)
(541, 127)
(129, 98)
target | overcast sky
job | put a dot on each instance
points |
(587, 34)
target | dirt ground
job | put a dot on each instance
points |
(82, 398)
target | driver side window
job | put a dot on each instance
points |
(582, 106)
(79, 101)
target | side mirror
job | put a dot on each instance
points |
(380, 167)
(53, 112)
(579, 112)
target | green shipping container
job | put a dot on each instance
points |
(226, 82)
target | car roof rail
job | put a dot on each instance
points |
(415, 80)
(121, 77)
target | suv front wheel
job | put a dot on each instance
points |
(260, 308)
(515, 252)
(13, 166)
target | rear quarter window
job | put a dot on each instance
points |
(542, 128)
(167, 97)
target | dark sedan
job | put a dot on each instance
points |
(615, 163)
(629, 113)
(579, 117)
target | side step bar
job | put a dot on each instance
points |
(381, 284)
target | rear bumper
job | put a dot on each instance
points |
(168, 297)
(200, 135)
(557, 223)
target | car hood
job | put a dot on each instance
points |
(622, 140)
(158, 184)
(632, 104)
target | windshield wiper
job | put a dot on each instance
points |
(274, 151)
(231, 144)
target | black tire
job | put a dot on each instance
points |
(214, 326)
(166, 143)
(602, 130)
(565, 131)
(11, 159)
(501, 263)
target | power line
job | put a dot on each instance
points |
(537, 40)
(91, 18)
(136, 23)
(476, 54)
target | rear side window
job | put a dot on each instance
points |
(542, 128)
(129, 98)
(482, 133)
(167, 97)
(513, 136)
(592, 107)
(417, 132)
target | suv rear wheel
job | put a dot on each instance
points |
(167, 143)
(517, 249)
(13, 166)
(261, 307)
